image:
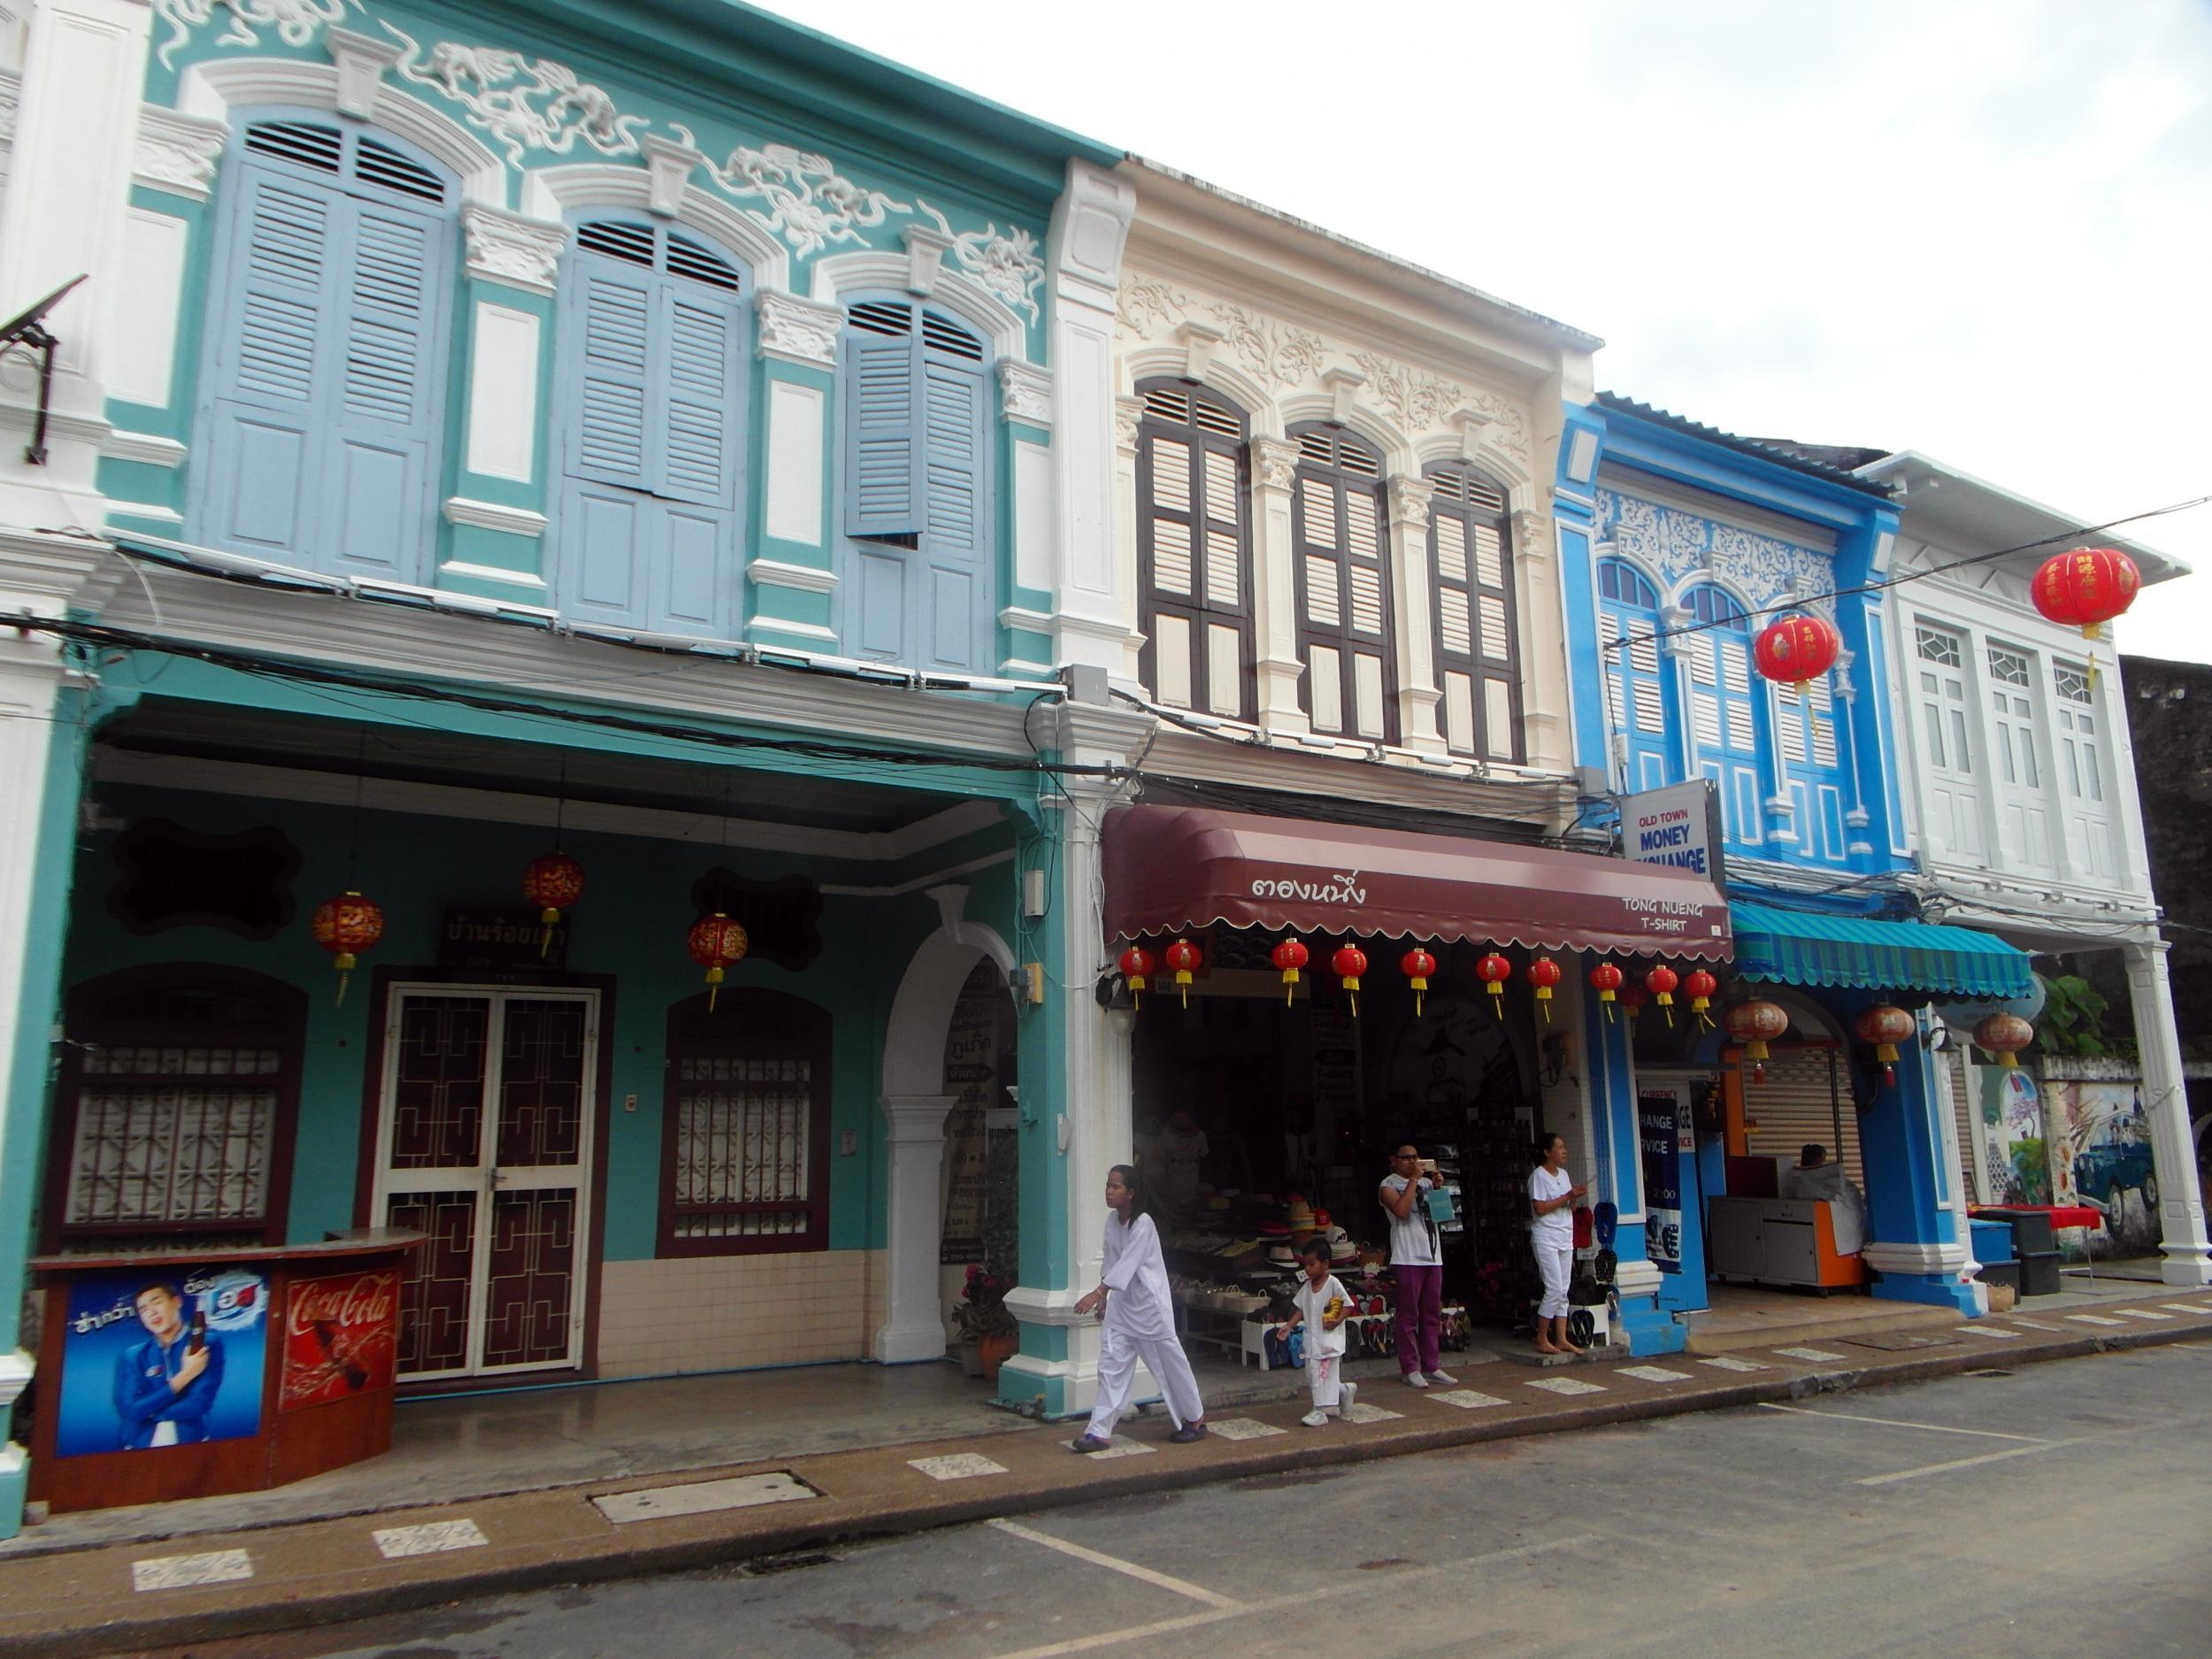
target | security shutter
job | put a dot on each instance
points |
(1193, 551)
(1960, 1083)
(1477, 653)
(918, 509)
(1795, 1105)
(1341, 555)
(655, 380)
(325, 392)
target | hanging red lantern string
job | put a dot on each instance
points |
(553, 882)
(1136, 969)
(345, 927)
(1290, 956)
(1605, 979)
(1494, 970)
(1661, 982)
(2004, 1035)
(1797, 649)
(1184, 957)
(717, 942)
(1417, 965)
(1755, 1025)
(1349, 965)
(2086, 589)
(1882, 1028)
(1632, 1000)
(1543, 974)
(1699, 986)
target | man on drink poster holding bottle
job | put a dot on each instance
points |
(164, 1361)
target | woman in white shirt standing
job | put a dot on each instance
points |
(1552, 1195)
(1133, 1304)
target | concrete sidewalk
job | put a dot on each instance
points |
(106, 1597)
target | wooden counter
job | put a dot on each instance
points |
(300, 1342)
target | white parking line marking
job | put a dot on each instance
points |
(1960, 1463)
(1371, 1414)
(1242, 1428)
(958, 1466)
(1729, 1362)
(2037, 1324)
(2088, 1318)
(2182, 1307)
(2140, 1313)
(1567, 1385)
(1818, 1356)
(1466, 1399)
(183, 1572)
(397, 1542)
(1654, 1373)
(694, 1497)
(1126, 1449)
(1984, 1330)
(1900, 1423)
(1115, 1563)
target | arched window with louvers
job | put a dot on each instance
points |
(1726, 718)
(1638, 700)
(653, 385)
(322, 402)
(1194, 550)
(917, 579)
(1341, 558)
(1475, 636)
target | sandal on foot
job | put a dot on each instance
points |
(1088, 1443)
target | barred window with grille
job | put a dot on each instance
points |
(746, 1129)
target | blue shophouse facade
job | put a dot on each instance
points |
(1680, 543)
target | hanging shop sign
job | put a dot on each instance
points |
(1658, 1128)
(340, 1337)
(1677, 826)
(502, 940)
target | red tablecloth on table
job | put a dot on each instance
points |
(2061, 1215)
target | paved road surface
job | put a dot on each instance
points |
(2064, 1510)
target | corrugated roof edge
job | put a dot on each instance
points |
(1760, 446)
(1567, 332)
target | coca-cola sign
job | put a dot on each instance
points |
(340, 1337)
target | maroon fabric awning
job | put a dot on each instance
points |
(1170, 869)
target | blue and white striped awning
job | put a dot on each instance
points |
(1805, 947)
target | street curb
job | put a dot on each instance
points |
(457, 1577)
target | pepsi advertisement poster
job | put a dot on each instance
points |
(162, 1356)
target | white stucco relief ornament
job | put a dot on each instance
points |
(1676, 545)
(521, 103)
(296, 22)
(1006, 266)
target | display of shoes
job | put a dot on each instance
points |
(1315, 1419)
(1444, 1378)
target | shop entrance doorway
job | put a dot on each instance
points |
(484, 1143)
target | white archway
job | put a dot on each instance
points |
(950, 290)
(916, 1103)
(554, 193)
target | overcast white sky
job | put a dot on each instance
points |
(1978, 228)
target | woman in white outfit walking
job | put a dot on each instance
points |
(1132, 1299)
(1552, 1194)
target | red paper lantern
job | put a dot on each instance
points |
(1699, 987)
(2004, 1035)
(1494, 970)
(1417, 965)
(1184, 957)
(1883, 1028)
(1543, 974)
(1632, 1000)
(1349, 965)
(552, 881)
(1290, 956)
(1605, 979)
(345, 927)
(1797, 649)
(2087, 588)
(717, 942)
(1755, 1025)
(1661, 982)
(1136, 968)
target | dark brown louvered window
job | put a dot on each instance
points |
(1342, 555)
(1476, 640)
(1195, 551)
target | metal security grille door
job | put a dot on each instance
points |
(917, 507)
(2026, 815)
(653, 335)
(1724, 717)
(1478, 655)
(1194, 552)
(330, 322)
(484, 1143)
(1955, 790)
(1342, 559)
(1635, 687)
(2081, 763)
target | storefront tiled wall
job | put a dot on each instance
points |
(727, 1313)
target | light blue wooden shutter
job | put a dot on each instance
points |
(655, 383)
(885, 487)
(954, 624)
(323, 397)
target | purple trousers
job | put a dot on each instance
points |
(1420, 1317)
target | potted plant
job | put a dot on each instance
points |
(988, 1332)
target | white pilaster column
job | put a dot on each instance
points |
(1546, 718)
(1274, 587)
(1412, 605)
(2180, 1205)
(914, 1320)
(1095, 611)
(64, 215)
(1128, 412)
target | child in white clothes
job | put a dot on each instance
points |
(1322, 1306)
